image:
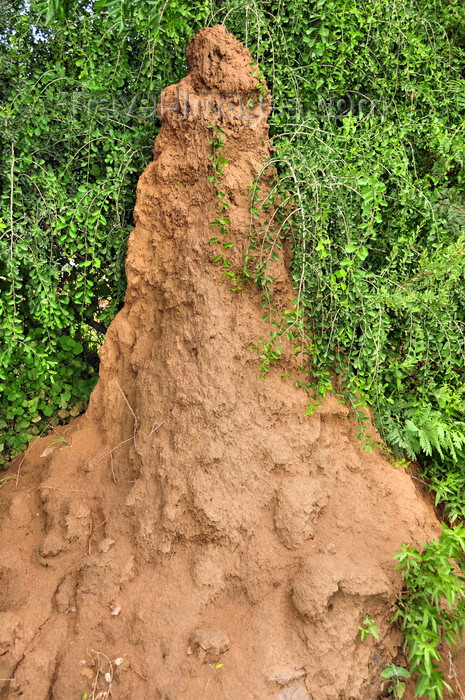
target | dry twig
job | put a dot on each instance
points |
(130, 408)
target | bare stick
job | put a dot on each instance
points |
(115, 448)
(100, 670)
(130, 408)
(112, 469)
(133, 437)
(139, 674)
(453, 674)
(155, 427)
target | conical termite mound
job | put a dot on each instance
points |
(196, 535)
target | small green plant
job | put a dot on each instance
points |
(396, 677)
(61, 438)
(5, 479)
(258, 73)
(368, 626)
(219, 162)
(432, 608)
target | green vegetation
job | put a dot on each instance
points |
(368, 129)
(396, 677)
(368, 626)
(218, 163)
(432, 610)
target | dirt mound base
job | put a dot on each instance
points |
(200, 537)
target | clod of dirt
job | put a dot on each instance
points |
(287, 676)
(299, 503)
(210, 643)
(295, 692)
(196, 495)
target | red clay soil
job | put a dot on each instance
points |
(200, 537)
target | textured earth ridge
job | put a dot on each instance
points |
(195, 535)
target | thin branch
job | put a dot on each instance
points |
(454, 206)
(155, 427)
(112, 468)
(96, 325)
(123, 442)
(130, 408)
